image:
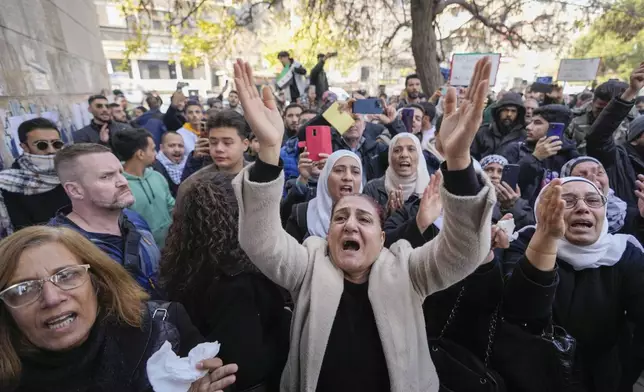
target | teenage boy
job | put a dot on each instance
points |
(228, 134)
(153, 201)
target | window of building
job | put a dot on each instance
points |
(151, 69)
(114, 16)
(193, 72)
(120, 66)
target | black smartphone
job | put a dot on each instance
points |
(511, 175)
(407, 116)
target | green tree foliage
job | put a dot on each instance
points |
(617, 37)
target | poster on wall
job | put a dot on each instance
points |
(14, 123)
(77, 116)
(463, 67)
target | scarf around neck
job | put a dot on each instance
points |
(36, 175)
(414, 184)
(318, 212)
(175, 170)
(606, 251)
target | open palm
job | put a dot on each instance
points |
(261, 112)
(431, 204)
(459, 126)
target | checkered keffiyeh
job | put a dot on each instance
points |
(36, 175)
(175, 170)
(494, 159)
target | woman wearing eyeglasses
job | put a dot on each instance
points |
(570, 268)
(71, 319)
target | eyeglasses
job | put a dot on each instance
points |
(592, 201)
(43, 145)
(26, 293)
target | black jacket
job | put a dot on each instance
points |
(296, 224)
(318, 79)
(194, 164)
(158, 166)
(91, 133)
(401, 225)
(622, 163)
(369, 152)
(534, 174)
(246, 314)
(113, 358)
(29, 210)
(593, 305)
(173, 119)
(376, 190)
(489, 138)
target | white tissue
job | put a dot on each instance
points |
(508, 226)
(169, 373)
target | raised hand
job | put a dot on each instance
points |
(261, 113)
(459, 127)
(501, 239)
(431, 204)
(305, 167)
(639, 192)
(550, 211)
(388, 114)
(636, 83)
(104, 133)
(395, 201)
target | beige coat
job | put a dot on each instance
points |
(400, 280)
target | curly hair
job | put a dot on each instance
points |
(202, 243)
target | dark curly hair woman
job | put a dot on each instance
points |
(227, 298)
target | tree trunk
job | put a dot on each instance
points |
(423, 45)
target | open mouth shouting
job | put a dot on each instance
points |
(581, 225)
(346, 190)
(61, 321)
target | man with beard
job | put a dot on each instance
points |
(541, 157)
(412, 91)
(233, 102)
(290, 150)
(580, 126)
(100, 196)
(101, 126)
(171, 160)
(118, 114)
(30, 192)
(507, 127)
(531, 105)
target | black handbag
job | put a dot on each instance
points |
(536, 363)
(458, 369)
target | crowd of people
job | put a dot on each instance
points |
(404, 260)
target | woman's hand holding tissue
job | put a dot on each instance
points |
(218, 377)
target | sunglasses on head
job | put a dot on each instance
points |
(43, 145)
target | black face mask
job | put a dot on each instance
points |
(641, 111)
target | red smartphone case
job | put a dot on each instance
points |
(318, 141)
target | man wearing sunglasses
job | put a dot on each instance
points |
(102, 126)
(30, 192)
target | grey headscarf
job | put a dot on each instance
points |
(615, 207)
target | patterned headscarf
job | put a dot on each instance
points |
(493, 159)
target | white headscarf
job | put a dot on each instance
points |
(318, 213)
(414, 184)
(608, 249)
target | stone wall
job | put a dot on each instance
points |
(51, 60)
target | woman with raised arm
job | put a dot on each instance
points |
(358, 321)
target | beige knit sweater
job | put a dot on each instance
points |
(400, 279)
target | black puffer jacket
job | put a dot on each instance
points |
(534, 174)
(622, 163)
(490, 139)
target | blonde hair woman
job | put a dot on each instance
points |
(72, 319)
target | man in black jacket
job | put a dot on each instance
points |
(540, 157)
(30, 192)
(101, 126)
(508, 126)
(622, 162)
(318, 75)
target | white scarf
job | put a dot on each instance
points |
(606, 251)
(414, 184)
(318, 212)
